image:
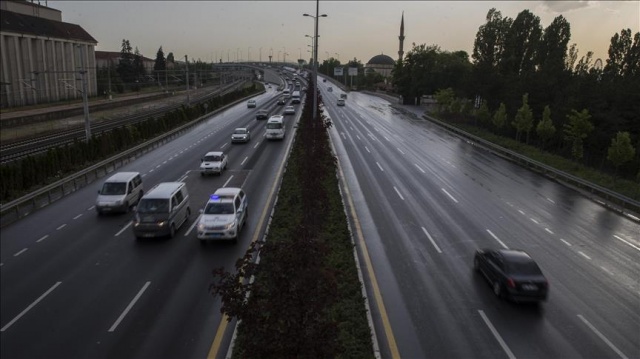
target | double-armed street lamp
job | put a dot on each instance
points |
(315, 58)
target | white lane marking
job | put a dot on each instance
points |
(124, 228)
(398, 192)
(343, 136)
(387, 138)
(243, 161)
(184, 177)
(606, 270)
(548, 230)
(497, 239)
(497, 335)
(450, 196)
(607, 341)
(62, 226)
(401, 151)
(29, 307)
(229, 180)
(358, 137)
(431, 239)
(91, 208)
(78, 216)
(164, 163)
(20, 252)
(550, 200)
(226, 144)
(256, 146)
(42, 238)
(584, 255)
(195, 223)
(158, 166)
(366, 148)
(615, 235)
(521, 212)
(534, 221)
(128, 308)
(143, 175)
(380, 167)
(421, 170)
(565, 242)
(151, 170)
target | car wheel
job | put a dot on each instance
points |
(202, 174)
(172, 231)
(497, 289)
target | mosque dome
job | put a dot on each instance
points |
(381, 60)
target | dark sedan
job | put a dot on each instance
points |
(512, 274)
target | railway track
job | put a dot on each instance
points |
(39, 144)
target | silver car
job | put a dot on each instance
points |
(240, 134)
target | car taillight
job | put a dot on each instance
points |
(511, 283)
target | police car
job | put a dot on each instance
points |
(224, 215)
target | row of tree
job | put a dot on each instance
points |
(514, 57)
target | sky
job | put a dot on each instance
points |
(253, 30)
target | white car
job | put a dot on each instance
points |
(224, 215)
(251, 103)
(213, 162)
(240, 134)
(289, 110)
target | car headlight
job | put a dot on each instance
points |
(231, 225)
(161, 224)
(201, 226)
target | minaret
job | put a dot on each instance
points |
(401, 37)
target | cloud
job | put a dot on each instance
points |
(561, 6)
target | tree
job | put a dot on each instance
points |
(521, 44)
(483, 114)
(444, 98)
(125, 65)
(161, 63)
(138, 66)
(545, 128)
(500, 117)
(577, 130)
(624, 55)
(523, 122)
(621, 151)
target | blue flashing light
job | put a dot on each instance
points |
(214, 197)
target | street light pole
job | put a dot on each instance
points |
(315, 59)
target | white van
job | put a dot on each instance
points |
(119, 192)
(162, 211)
(275, 128)
(295, 97)
(286, 93)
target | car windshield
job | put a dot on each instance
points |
(523, 268)
(274, 125)
(219, 208)
(240, 131)
(153, 205)
(210, 158)
(114, 188)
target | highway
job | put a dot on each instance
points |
(425, 200)
(78, 285)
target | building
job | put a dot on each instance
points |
(381, 64)
(112, 58)
(42, 59)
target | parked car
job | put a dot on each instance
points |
(213, 162)
(513, 274)
(289, 110)
(251, 103)
(240, 134)
(262, 115)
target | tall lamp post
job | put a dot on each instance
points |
(315, 58)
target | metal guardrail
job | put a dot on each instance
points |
(23, 206)
(609, 198)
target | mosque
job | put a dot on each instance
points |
(383, 64)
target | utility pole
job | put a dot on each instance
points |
(186, 62)
(85, 99)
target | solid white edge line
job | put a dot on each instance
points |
(638, 249)
(431, 239)
(497, 239)
(607, 341)
(30, 307)
(496, 335)
(123, 228)
(450, 196)
(128, 308)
